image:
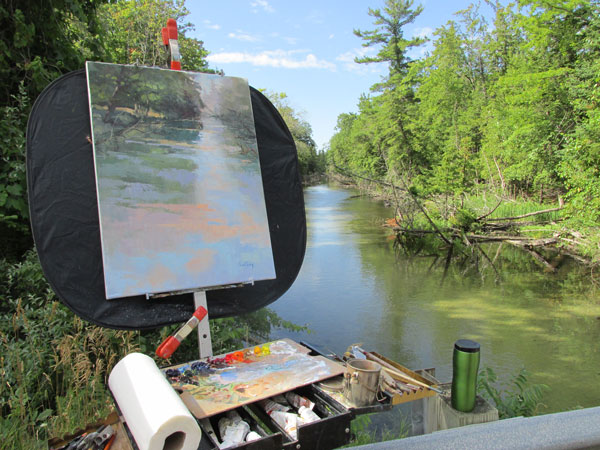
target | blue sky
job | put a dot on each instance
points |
(304, 48)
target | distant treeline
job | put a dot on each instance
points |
(508, 99)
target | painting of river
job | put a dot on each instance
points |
(179, 186)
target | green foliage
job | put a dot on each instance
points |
(510, 108)
(519, 398)
(51, 363)
(41, 40)
(13, 190)
(363, 431)
(308, 158)
(38, 42)
(133, 33)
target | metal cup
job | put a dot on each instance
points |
(361, 381)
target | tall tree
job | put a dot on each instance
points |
(389, 35)
(580, 157)
(450, 99)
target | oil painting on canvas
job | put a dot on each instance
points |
(180, 193)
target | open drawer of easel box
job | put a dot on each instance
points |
(240, 380)
(331, 431)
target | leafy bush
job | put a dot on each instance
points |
(520, 398)
(14, 212)
(363, 431)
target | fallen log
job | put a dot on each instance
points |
(522, 216)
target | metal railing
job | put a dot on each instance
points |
(577, 429)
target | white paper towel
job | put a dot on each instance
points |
(155, 415)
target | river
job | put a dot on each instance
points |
(354, 287)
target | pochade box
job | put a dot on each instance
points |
(273, 389)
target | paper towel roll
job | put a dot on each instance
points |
(155, 415)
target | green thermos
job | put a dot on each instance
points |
(465, 364)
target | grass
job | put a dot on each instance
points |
(363, 431)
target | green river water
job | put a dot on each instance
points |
(354, 287)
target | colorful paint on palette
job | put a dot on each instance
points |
(252, 378)
(180, 193)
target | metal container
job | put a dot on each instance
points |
(361, 381)
(465, 364)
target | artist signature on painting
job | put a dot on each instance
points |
(247, 264)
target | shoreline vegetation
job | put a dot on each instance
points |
(493, 135)
(541, 230)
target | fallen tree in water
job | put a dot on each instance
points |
(508, 230)
(460, 230)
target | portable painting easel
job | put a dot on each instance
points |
(199, 319)
(169, 35)
(63, 201)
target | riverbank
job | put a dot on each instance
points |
(487, 216)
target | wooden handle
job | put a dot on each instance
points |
(397, 374)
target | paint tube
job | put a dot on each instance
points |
(269, 406)
(297, 401)
(287, 421)
(279, 398)
(233, 429)
(307, 415)
(253, 436)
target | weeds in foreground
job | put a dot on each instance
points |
(363, 432)
(519, 398)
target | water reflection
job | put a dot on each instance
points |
(355, 287)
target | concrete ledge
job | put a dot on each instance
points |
(567, 430)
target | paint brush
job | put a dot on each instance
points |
(395, 373)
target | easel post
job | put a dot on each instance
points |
(169, 35)
(204, 339)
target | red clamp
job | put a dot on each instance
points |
(169, 37)
(170, 344)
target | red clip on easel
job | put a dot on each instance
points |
(169, 36)
(170, 344)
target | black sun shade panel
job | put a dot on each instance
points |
(64, 214)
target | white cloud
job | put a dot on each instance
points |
(272, 58)
(212, 26)
(422, 32)
(241, 36)
(347, 60)
(331, 36)
(290, 40)
(316, 17)
(264, 4)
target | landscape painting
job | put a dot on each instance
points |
(180, 193)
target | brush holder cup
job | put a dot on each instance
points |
(361, 382)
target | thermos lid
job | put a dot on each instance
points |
(466, 345)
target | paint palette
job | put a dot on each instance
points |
(212, 386)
